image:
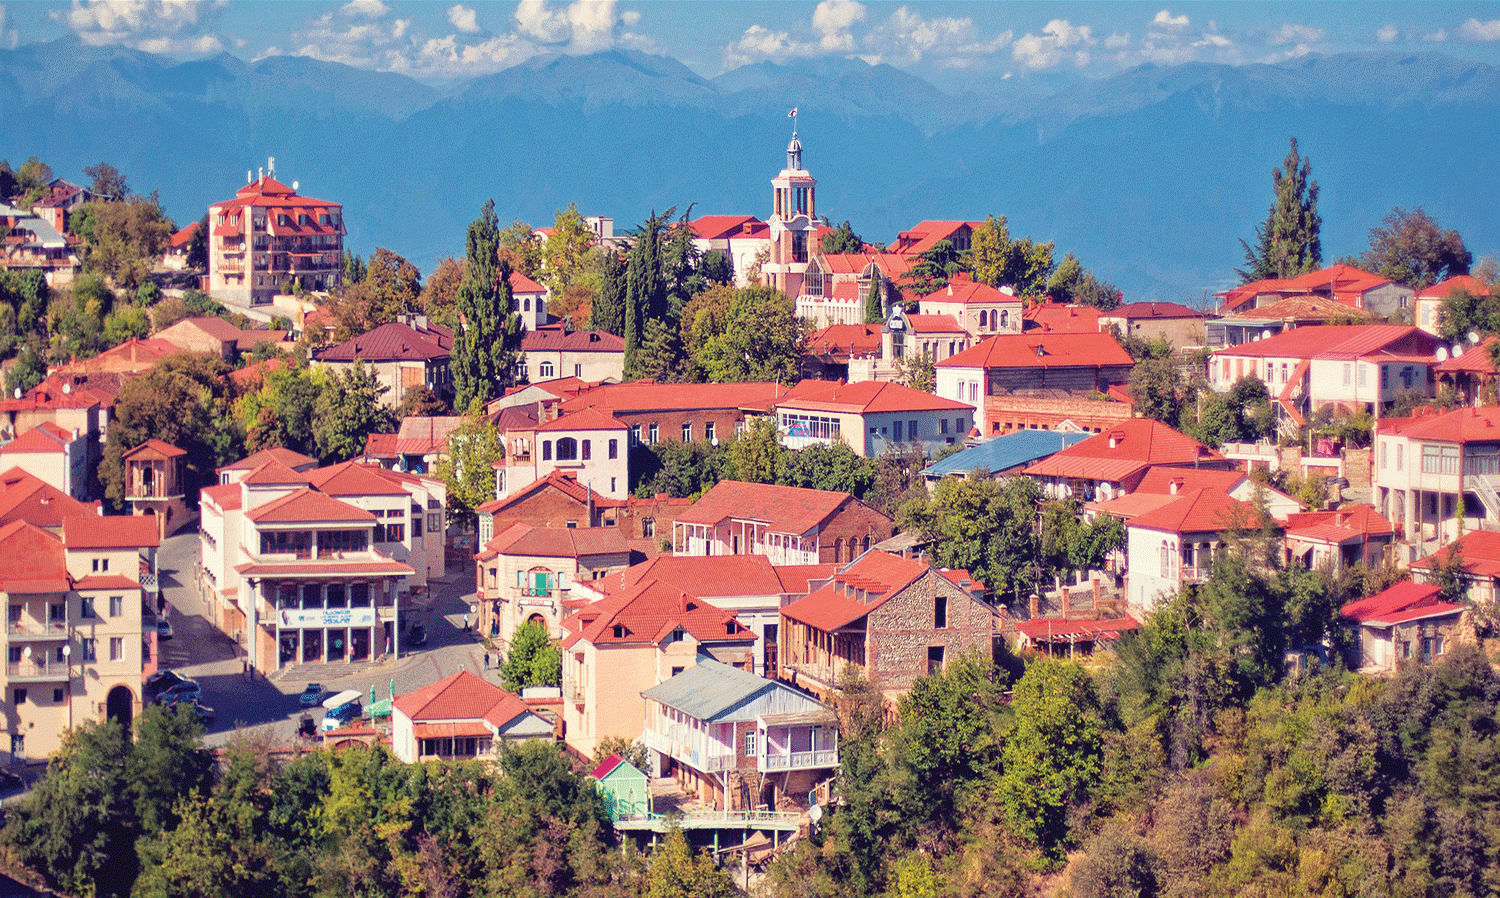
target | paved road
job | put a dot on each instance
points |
(268, 708)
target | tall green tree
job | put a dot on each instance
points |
(841, 240)
(999, 260)
(393, 286)
(874, 303)
(347, 411)
(677, 872)
(468, 468)
(122, 240)
(762, 339)
(1289, 241)
(531, 660)
(608, 310)
(645, 283)
(486, 348)
(756, 455)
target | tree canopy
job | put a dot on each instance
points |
(1289, 241)
(486, 347)
(1411, 248)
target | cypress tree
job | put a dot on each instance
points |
(1289, 242)
(608, 310)
(874, 309)
(486, 348)
(645, 286)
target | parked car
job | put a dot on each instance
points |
(163, 628)
(417, 637)
(186, 691)
(311, 695)
(162, 679)
(9, 779)
(205, 713)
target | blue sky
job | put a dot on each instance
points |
(947, 43)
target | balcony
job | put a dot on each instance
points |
(688, 746)
(37, 630)
(31, 671)
(799, 760)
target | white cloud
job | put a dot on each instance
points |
(1387, 34)
(358, 34)
(1475, 30)
(367, 9)
(463, 18)
(908, 37)
(1060, 42)
(1211, 39)
(1165, 19)
(582, 26)
(1437, 36)
(1291, 33)
(832, 20)
(1117, 41)
(156, 26)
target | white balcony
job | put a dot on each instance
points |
(799, 760)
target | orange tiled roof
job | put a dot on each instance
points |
(307, 506)
(645, 396)
(865, 397)
(1197, 511)
(1041, 350)
(862, 586)
(1123, 449)
(463, 696)
(785, 509)
(352, 479)
(648, 614)
(92, 531)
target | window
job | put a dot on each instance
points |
(896, 431)
(87, 653)
(1400, 454)
(612, 484)
(708, 431)
(614, 448)
(940, 612)
(15, 615)
(648, 527)
(911, 430)
(20, 700)
(395, 533)
(332, 542)
(577, 370)
(676, 635)
(546, 450)
(1348, 374)
(116, 606)
(434, 522)
(57, 695)
(934, 658)
(86, 607)
(750, 744)
(117, 648)
(1363, 369)
(943, 425)
(567, 449)
(654, 434)
(687, 431)
(618, 631)
(416, 526)
(635, 435)
(57, 612)
(545, 371)
(1439, 459)
(1166, 560)
(1385, 377)
(101, 565)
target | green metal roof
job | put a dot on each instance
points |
(709, 689)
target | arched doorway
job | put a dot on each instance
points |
(119, 706)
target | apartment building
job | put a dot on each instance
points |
(268, 239)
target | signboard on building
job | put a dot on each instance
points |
(327, 617)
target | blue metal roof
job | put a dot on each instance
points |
(1004, 452)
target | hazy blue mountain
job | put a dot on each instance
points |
(1151, 176)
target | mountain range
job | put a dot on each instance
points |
(1151, 177)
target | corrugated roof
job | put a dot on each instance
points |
(1461, 425)
(556, 542)
(708, 689)
(866, 397)
(1005, 452)
(1042, 350)
(1096, 629)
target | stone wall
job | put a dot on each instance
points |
(1008, 412)
(853, 528)
(902, 631)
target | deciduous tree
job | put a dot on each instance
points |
(108, 181)
(393, 285)
(531, 660)
(762, 339)
(842, 239)
(347, 411)
(1411, 248)
(469, 467)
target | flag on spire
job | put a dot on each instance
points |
(793, 113)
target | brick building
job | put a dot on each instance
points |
(678, 412)
(400, 356)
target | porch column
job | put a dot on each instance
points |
(1411, 514)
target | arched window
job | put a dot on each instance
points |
(1004, 320)
(984, 319)
(567, 449)
(546, 371)
(1166, 560)
(526, 304)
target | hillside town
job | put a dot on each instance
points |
(852, 565)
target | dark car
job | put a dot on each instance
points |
(163, 679)
(205, 713)
(186, 691)
(417, 637)
(163, 629)
(311, 695)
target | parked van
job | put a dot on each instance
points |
(342, 709)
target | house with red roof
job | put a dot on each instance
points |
(909, 337)
(831, 349)
(556, 500)
(1039, 380)
(1170, 321)
(400, 356)
(553, 352)
(1429, 302)
(588, 443)
(134, 356)
(894, 619)
(217, 337)
(1470, 373)
(979, 309)
(678, 412)
(1479, 565)
(32, 241)
(1261, 322)
(1343, 284)
(749, 586)
(308, 566)
(1436, 474)
(1073, 636)
(1406, 622)
(461, 717)
(234, 472)
(620, 646)
(58, 457)
(269, 238)
(787, 524)
(836, 286)
(1353, 367)
(872, 417)
(529, 300)
(742, 238)
(25, 497)
(82, 403)
(526, 574)
(1341, 538)
(155, 484)
(924, 235)
(178, 247)
(77, 635)
(1174, 543)
(1060, 318)
(1115, 462)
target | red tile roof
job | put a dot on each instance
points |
(1122, 450)
(105, 581)
(924, 235)
(423, 436)
(846, 340)
(25, 497)
(273, 473)
(1062, 318)
(861, 587)
(865, 397)
(160, 447)
(381, 446)
(461, 697)
(934, 324)
(1174, 480)
(647, 614)
(961, 289)
(91, 531)
(225, 495)
(182, 238)
(307, 506)
(1042, 350)
(720, 227)
(552, 339)
(1473, 360)
(1462, 425)
(797, 579)
(582, 419)
(351, 479)
(1464, 282)
(1300, 310)
(1198, 511)
(1136, 311)
(565, 482)
(31, 560)
(890, 265)
(1479, 550)
(45, 437)
(1357, 520)
(520, 283)
(1339, 342)
(785, 509)
(555, 542)
(645, 396)
(280, 454)
(391, 342)
(708, 577)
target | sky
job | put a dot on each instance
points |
(947, 43)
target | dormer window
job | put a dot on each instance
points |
(676, 635)
(618, 631)
(729, 628)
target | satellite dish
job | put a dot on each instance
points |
(474, 609)
(67, 388)
(18, 392)
(1473, 336)
(294, 185)
(1265, 334)
(67, 651)
(27, 651)
(1458, 349)
(1442, 353)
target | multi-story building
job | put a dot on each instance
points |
(589, 443)
(154, 484)
(268, 239)
(526, 574)
(672, 412)
(76, 650)
(981, 310)
(742, 238)
(787, 524)
(400, 356)
(57, 456)
(1439, 474)
(301, 567)
(552, 352)
(872, 417)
